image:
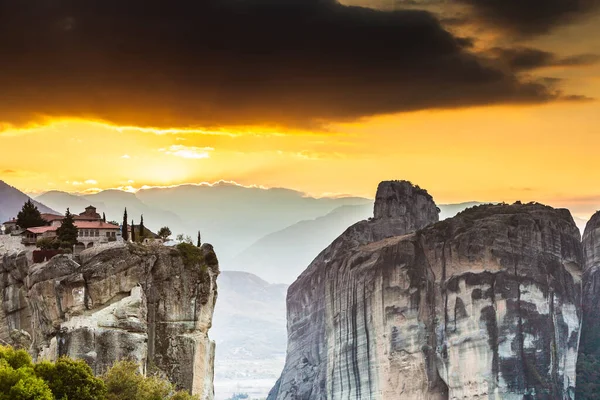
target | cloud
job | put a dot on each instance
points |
(126, 156)
(9, 171)
(532, 17)
(527, 58)
(208, 63)
(91, 182)
(188, 151)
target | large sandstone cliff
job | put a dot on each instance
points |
(485, 305)
(588, 384)
(152, 304)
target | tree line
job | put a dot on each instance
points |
(68, 379)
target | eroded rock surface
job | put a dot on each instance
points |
(146, 303)
(589, 349)
(485, 305)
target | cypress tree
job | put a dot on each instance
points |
(30, 216)
(103, 217)
(124, 232)
(142, 229)
(199, 242)
(132, 232)
(67, 232)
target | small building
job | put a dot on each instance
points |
(90, 227)
(10, 225)
(30, 236)
(89, 214)
(91, 233)
(53, 219)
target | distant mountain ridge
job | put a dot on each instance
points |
(231, 217)
(12, 200)
(281, 256)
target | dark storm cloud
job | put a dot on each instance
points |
(236, 62)
(526, 58)
(532, 17)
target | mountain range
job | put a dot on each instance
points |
(229, 216)
(12, 200)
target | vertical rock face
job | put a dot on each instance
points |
(400, 200)
(483, 306)
(151, 304)
(589, 349)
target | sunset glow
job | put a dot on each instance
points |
(525, 129)
(436, 149)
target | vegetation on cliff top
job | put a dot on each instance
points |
(30, 216)
(68, 379)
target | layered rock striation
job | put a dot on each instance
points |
(588, 383)
(485, 305)
(152, 304)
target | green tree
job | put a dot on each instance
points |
(103, 217)
(17, 377)
(124, 382)
(22, 384)
(15, 358)
(67, 232)
(132, 232)
(199, 241)
(30, 216)
(68, 379)
(164, 232)
(142, 229)
(71, 379)
(124, 232)
(46, 243)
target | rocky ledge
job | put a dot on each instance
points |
(484, 305)
(152, 304)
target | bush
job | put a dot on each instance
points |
(45, 243)
(17, 377)
(71, 379)
(15, 358)
(190, 254)
(68, 379)
(124, 382)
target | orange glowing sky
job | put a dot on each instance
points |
(548, 153)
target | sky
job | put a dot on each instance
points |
(487, 100)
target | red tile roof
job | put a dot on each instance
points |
(55, 217)
(41, 229)
(94, 225)
(78, 224)
(11, 221)
(83, 217)
(52, 217)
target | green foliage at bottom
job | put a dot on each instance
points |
(67, 379)
(71, 379)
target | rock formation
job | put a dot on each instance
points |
(152, 304)
(485, 305)
(589, 349)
